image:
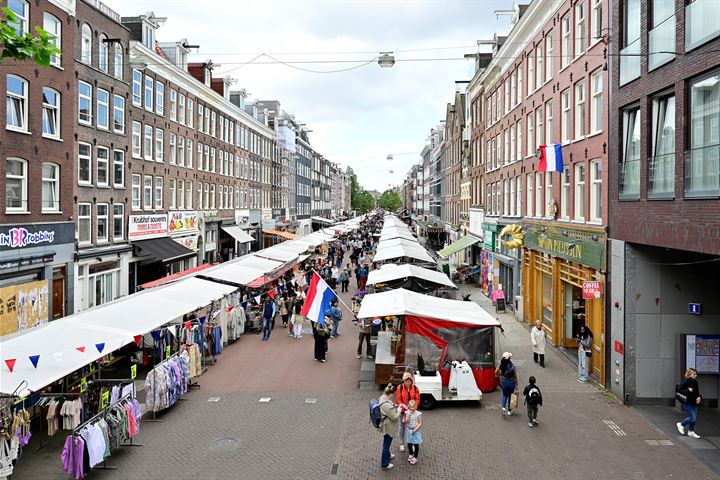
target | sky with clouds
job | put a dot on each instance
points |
(358, 116)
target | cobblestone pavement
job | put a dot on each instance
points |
(316, 426)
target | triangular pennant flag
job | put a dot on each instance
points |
(155, 335)
(171, 329)
(10, 362)
(80, 349)
(244, 305)
(282, 288)
(202, 320)
(188, 325)
(100, 347)
(137, 339)
(34, 359)
(58, 356)
(257, 299)
(271, 294)
(230, 309)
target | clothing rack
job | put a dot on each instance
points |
(41, 403)
(154, 417)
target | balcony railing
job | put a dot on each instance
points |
(702, 172)
(630, 62)
(630, 180)
(662, 43)
(661, 176)
(701, 22)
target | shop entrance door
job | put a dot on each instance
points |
(573, 311)
(58, 294)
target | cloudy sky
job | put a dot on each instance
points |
(358, 116)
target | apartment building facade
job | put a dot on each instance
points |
(303, 182)
(664, 187)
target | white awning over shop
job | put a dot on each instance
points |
(238, 234)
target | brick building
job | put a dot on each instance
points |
(37, 242)
(664, 186)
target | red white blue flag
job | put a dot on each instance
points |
(317, 302)
(551, 158)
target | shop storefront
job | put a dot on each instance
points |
(489, 265)
(564, 284)
(102, 275)
(36, 274)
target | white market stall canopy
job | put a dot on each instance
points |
(389, 234)
(234, 273)
(99, 331)
(393, 252)
(276, 253)
(391, 271)
(405, 302)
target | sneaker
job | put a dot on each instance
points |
(323, 360)
(370, 357)
(390, 465)
(290, 335)
(359, 356)
(402, 448)
(535, 421)
(680, 428)
(693, 434)
(414, 461)
(530, 424)
(509, 413)
(410, 459)
(392, 456)
(502, 411)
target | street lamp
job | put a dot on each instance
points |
(386, 59)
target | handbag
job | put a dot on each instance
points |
(6, 465)
(514, 400)
(680, 397)
(588, 354)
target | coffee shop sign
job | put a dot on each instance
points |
(21, 237)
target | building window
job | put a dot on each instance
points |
(137, 88)
(513, 90)
(596, 104)
(16, 193)
(118, 168)
(540, 67)
(102, 154)
(136, 192)
(540, 131)
(102, 222)
(172, 194)
(160, 98)
(548, 193)
(147, 192)
(531, 72)
(103, 54)
(84, 103)
(580, 30)
(181, 151)
(84, 223)
(579, 109)
(189, 202)
(597, 20)
(661, 170)
(200, 117)
(148, 143)
(149, 92)
(136, 140)
(50, 187)
(173, 149)
(630, 42)
(118, 61)
(596, 191)
(566, 45)
(518, 131)
(173, 105)
(530, 181)
(212, 196)
(148, 36)
(51, 113)
(519, 193)
(158, 193)
(530, 135)
(190, 113)
(103, 109)
(539, 194)
(520, 83)
(118, 221)
(181, 194)
(212, 159)
(213, 125)
(159, 145)
(86, 44)
(565, 194)
(549, 123)
(580, 192)
(566, 119)
(699, 24)
(207, 121)
(206, 197)
(630, 160)
(181, 110)
(189, 154)
(702, 171)
(17, 101)
(118, 114)
(22, 13)
(549, 48)
(54, 29)
(84, 164)
(507, 95)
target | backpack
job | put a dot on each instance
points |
(534, 396)
(376, 416)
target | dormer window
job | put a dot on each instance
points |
(148, 36)
(208, 75)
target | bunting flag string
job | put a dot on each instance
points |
(100, 347)
(34, 359)
(137, 338)
(58, 356)
(188, 325)
(10, 362)
(257, 299)
(172, 330)
(80, 349)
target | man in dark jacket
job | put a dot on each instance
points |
(268, 310)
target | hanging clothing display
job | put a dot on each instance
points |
(195, 360)
(167, 382)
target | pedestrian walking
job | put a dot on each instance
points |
(364, 334)
(297, 321)
(336, 315)
(584, 340)
(320, 334)
(538, 339)
(282, 308)
(363, 274)
(388, 425)
(406, 392)
(268, 309)
(290, 305)
(413, 422)
(533, 400)
(357, 275)
(343, 280)
(690, 391)
(508, 382)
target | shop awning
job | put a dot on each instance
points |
(174, 277)
(391, 272)
(98, 331)
(164, 249)
(238, 234)
(280, 254)
(235, 274)
(280, 233)
(405, 302)
(462, 244)
(411, 251)
(326, 221)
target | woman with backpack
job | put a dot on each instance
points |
(691, 391)
(508, 381)
(405, 392)
(390, 414)
(533, 399)
(321, 332)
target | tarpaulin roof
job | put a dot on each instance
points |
(234, 273)
(392, 252)
(391, 272)
(238, 234)
(405, 302)
(282, 234)
(461, 244)
(98, 331)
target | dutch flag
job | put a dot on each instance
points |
(318, 300)
(551, 158)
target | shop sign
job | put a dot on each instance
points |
(25, 261)
(182, 222)
(27, 236)
(587, 252)
(104, 399)
(141, 227)
(133, 371)
(188, 241)
(591, 290)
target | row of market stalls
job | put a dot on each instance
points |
(420, 329)
(170, 334)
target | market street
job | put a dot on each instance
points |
(316, 425)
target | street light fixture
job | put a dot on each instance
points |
(386, 59)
